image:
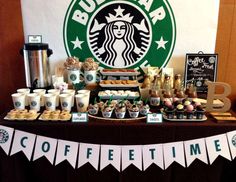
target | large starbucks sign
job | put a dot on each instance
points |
(121, 34)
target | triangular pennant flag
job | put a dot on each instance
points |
(174, 152)
(45, 147)
(195, 149)
(232, 142)
(110, 154)
(153, 154)
(89, 153)
(131, 154)
(67, 150)
(217, 145)
(24, 142)
(6, 135)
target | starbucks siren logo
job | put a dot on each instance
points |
(80, 105)
(33, 103)
(48, 104)
(64, 104)
(73, 77)
(121, 34)
(89, 77)
(233, 140)
(4, 136)
(17, 104)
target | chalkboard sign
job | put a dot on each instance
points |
(200, 68)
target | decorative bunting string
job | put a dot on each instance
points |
(119, 156)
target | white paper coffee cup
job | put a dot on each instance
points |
(24, 91)
(65, 100)
(41, 92)
(71, 92)
(90, 76)
(57, 93)
(50, 102)
(82, 102)
(18, 101)
(34, 101)
(84, 92)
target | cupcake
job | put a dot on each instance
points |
(189, 111)
(144, 109)
(167, 103)
(120, 110)
(134, 111)
(180, 111)
(199, 112)
(93, 109)
(186, 103)
(170, 112)
(107, 111)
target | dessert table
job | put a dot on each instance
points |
(17, 168)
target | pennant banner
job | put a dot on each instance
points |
(118, 156)
(232, 143)
(67, 150)
(174, 152)
(45, 147)
(195, 149)
(24, 142)
(6, 135)
(132, 155)
(110, 154)
(89, 153)
(153, 154)
(217, 145)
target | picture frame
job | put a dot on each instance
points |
(200, 68)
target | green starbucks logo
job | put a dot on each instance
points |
(4, 136)
(89, 77)
(33, 103)
(64, 104)
(121, 34)
(233, 140)
(48, 104)
(17, 104)
(80, 105)
(73, 77)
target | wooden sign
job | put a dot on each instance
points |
(200, 68)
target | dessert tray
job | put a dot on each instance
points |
(22, 119)
(119, 83)
(114, 119)
(119, 72)
(56, 117)
(185, 119)
(118, 94)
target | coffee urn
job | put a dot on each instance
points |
(36, 62)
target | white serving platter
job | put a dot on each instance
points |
(117, 73)
(185, 119)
